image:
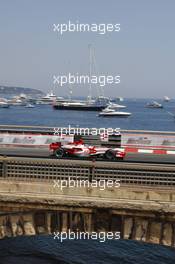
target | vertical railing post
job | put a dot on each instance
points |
(4, 168)
(92, 171)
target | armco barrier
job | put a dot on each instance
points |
(147, 140)
(132, 140)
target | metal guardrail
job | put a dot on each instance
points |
(126, 138)
(47, 129)
(29, 169)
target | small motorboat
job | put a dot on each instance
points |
(154, 104)
(111, 112)
(120, 99)
(166, 99)
(4, 104)
(29, 106)
(115, 106)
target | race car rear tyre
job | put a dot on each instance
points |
(110, 154)
(59, 153)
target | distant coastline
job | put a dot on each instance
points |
(11, 90)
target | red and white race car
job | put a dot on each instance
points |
(81, 150)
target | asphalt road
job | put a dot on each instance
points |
(45, 153)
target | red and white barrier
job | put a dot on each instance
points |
(149, 151)
(130, 143)
(32, 140)
(148, 141)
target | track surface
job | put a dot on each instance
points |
(45, 153)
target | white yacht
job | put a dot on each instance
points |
(4, 104)
(154, 104)
(17, 101)
(29, 106)
(48, 99)
(166, 99)
(23, 96)
(120, 99)
(107, 112)
(115, 106)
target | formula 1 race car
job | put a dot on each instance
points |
(81, 150)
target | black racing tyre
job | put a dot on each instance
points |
(59, 153)
(110, 154)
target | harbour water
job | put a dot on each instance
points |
(141, 118)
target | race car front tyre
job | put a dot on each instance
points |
(59, 153)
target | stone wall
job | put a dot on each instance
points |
(146, 229)
(31, 208)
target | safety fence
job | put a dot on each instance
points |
(133, 174)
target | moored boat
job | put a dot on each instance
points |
(49, 99)
(4, 104)
(98, 104)
(166, 99)
(111, 112)
(154, 104)
(29, 106)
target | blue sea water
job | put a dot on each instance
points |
(46, 250)
(141, 118)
